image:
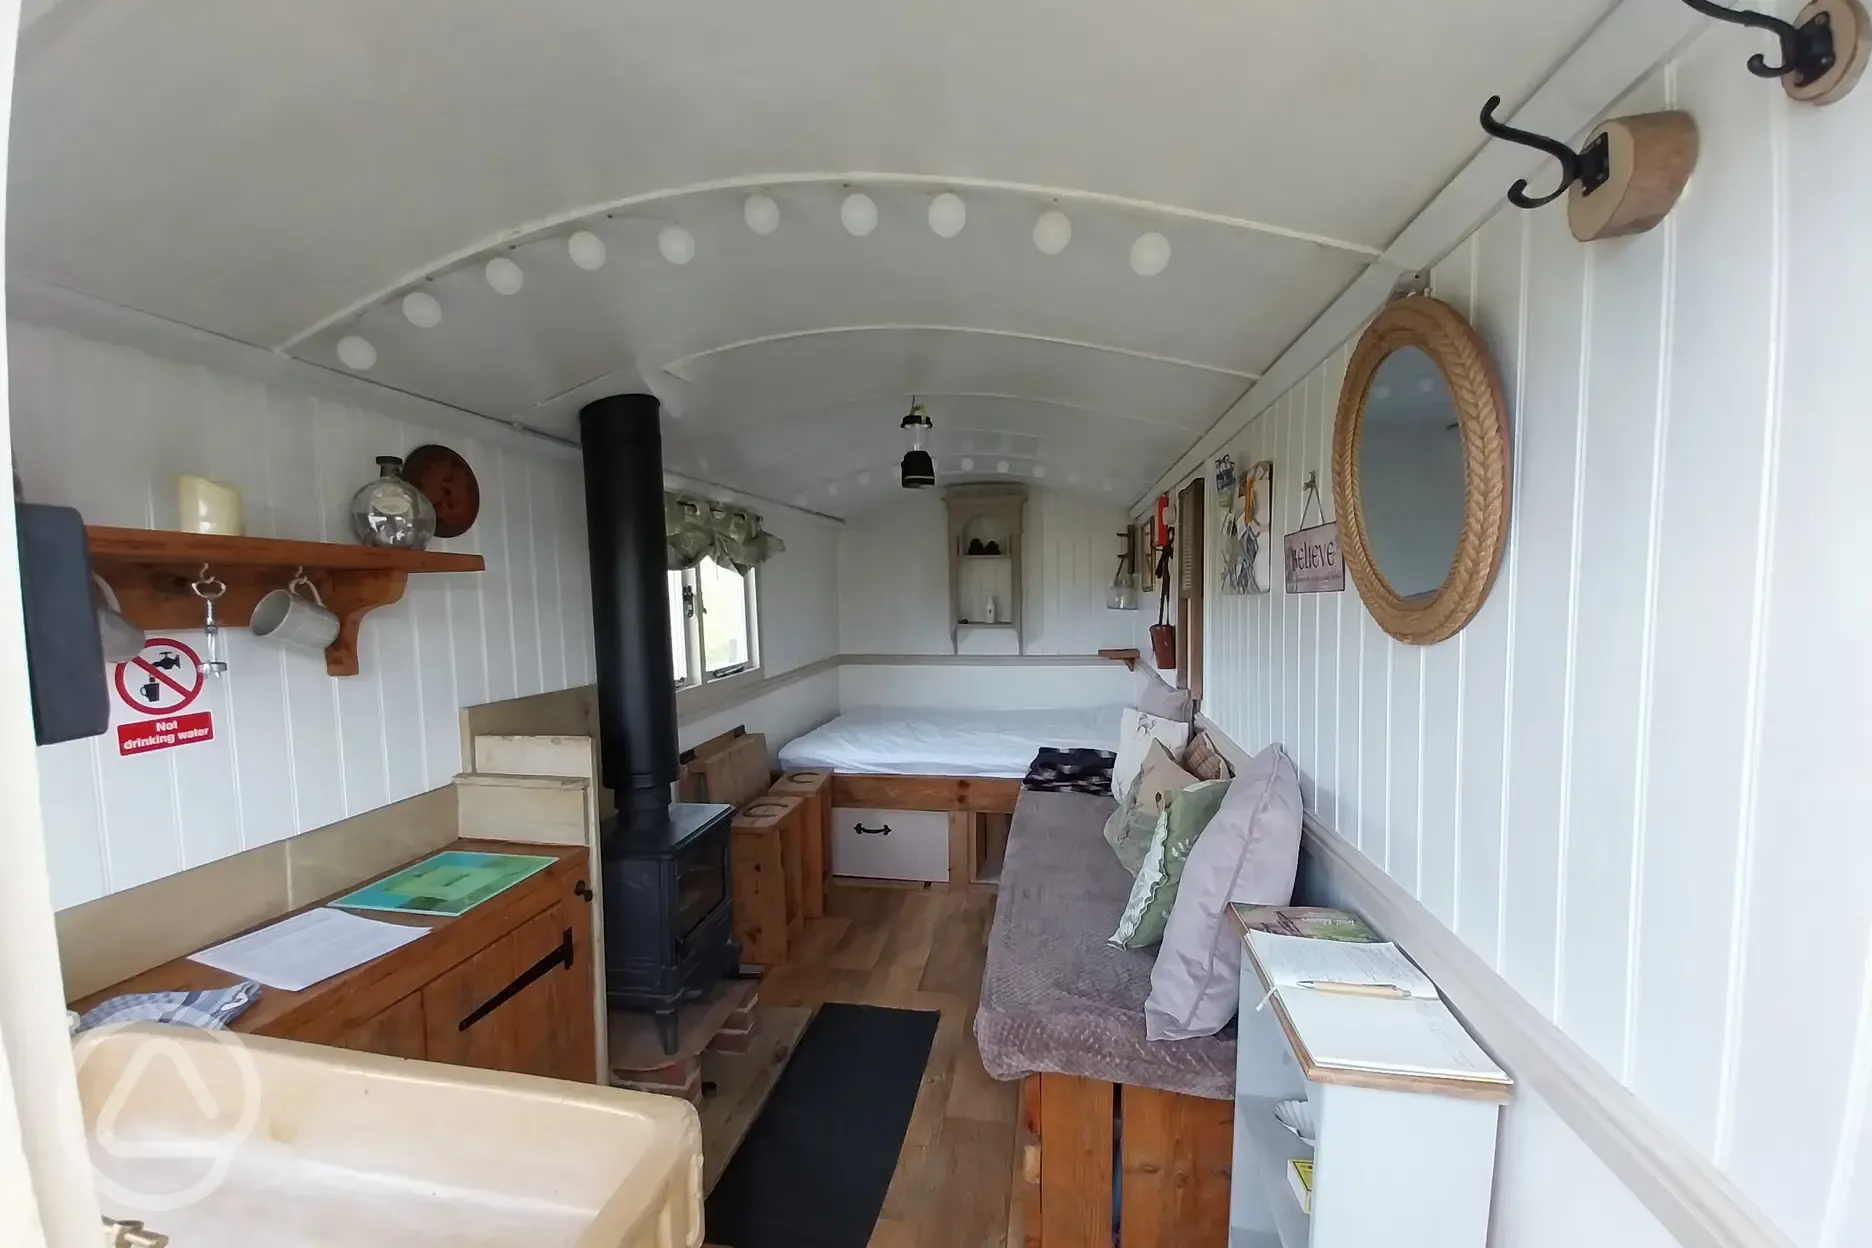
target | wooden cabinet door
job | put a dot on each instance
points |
(490, 1042)
(397, 1032)
(553, 1019)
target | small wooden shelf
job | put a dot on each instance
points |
(151, 570)
(985, 624)
(1127, 657)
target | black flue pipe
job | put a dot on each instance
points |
(623, 448)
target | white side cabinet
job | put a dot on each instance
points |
(1401, 1160)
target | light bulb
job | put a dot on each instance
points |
(1052, 232)
(1150, 255)
(676, 244)
(859, 214)
(1001, 465)
(947, 214)
(422, 310)
(761, 214)
(968, 465)
(587, 251)
(356, 353)
(504, 275)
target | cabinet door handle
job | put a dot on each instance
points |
(538, 971)
(861, 830)
(582, 891)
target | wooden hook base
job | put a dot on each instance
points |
(1650, 158)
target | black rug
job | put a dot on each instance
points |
(814, 1169)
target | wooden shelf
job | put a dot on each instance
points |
(1127, 657)
(151, 570)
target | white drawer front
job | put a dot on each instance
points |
(915, 848)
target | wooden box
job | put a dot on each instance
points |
(731, 768)
(768, 885)
(814, 789)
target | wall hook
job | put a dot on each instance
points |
(1806, 50)
(1590, 168)
(1823, 50)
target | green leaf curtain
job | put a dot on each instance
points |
(701, 528)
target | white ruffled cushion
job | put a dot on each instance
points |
(1135, 734)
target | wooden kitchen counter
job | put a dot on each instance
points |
(413, 1001)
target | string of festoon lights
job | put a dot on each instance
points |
(858, 213)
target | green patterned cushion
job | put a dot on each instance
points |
(1185, 816)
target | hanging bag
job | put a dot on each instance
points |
(1163, 633)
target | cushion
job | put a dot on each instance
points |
(1186, 813)
(1154, 697)
(1136, 732)
(1131, 826)
(1248, 853)
(1202, 760)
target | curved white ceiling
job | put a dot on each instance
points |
(260, 167)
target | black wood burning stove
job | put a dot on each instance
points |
(669, 920)
(669, 924)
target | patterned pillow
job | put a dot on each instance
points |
(1147, 913)
(1204, 761)
(1134, 741)
(1130, 827)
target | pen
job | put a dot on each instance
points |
(1390, 992)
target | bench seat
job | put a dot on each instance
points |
(1056, 998)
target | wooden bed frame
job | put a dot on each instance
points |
(1174, 1157)
(978, 809)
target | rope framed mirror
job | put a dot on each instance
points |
(1421, 470)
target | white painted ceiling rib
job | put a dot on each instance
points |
(785, 357)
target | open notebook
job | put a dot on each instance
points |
(1411, 1035)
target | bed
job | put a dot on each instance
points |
(899, 741)
(924, 794)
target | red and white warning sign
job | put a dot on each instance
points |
(163, 680)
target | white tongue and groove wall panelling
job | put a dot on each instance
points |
(894, 576)
(1635, 784)
(107, 429)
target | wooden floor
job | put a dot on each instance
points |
(921, 949)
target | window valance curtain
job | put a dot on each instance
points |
(700, 528)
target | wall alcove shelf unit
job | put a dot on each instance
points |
(985, 524)
(151, 571)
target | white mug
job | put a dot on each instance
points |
(282, 615)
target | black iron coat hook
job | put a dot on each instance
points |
(1589, 168)
(1807, 50)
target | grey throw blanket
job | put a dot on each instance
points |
(1055, 997)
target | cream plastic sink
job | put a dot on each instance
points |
(215, 1140)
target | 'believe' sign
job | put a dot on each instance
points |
(1313, 565)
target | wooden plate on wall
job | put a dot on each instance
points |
(449, 483)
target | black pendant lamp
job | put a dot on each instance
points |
(919, 471)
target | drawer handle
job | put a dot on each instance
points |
(538, 971)
(861, 830)
(582, 891)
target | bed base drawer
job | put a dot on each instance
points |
(879, 844)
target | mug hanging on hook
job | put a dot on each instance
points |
(286, 617)
(1624, 180)
(1823, 50)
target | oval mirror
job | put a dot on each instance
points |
(1420, 470)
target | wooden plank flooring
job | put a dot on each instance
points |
(921, 949)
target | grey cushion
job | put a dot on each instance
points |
(1056, 998)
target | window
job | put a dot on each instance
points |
(712, 623)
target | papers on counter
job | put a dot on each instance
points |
(307, 948)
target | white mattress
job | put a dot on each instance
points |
(909, 741)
